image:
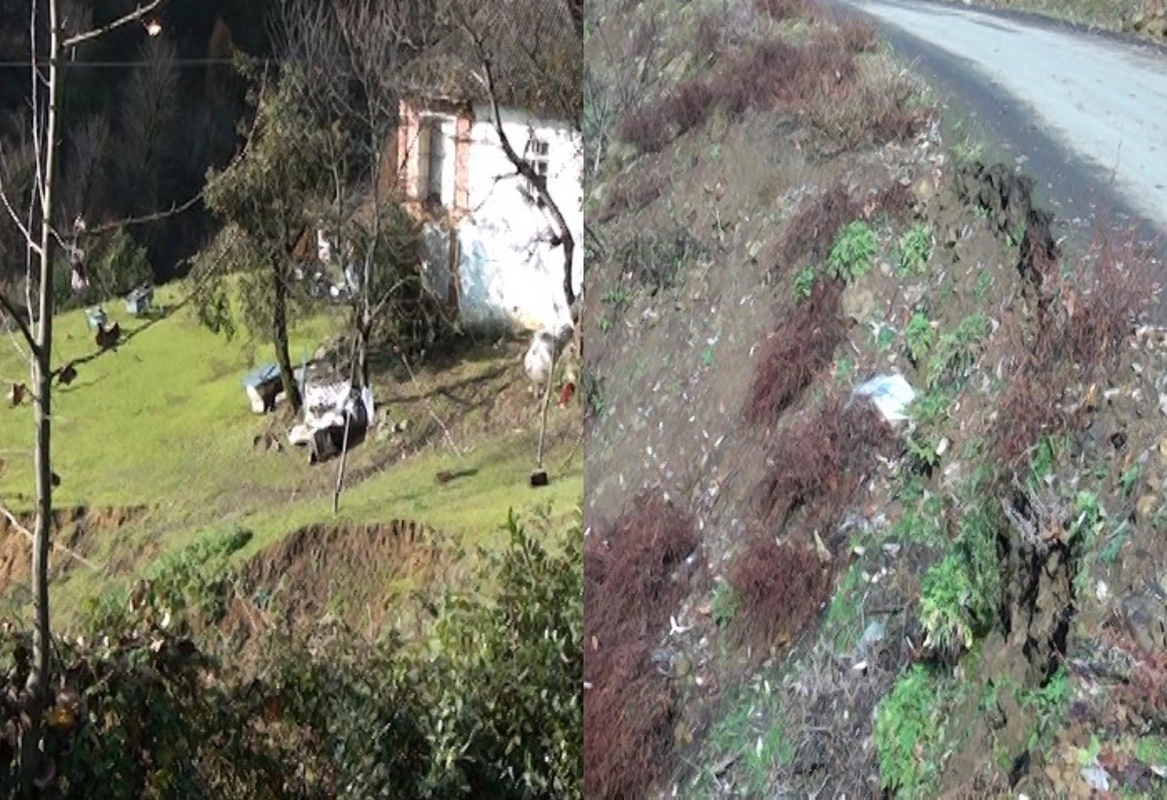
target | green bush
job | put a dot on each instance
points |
(509, 707)
(915, 250)
(909, 718)
(492, 708)
(957, 351)
(852, 253)
(919, 337)
(959, 595)
(113, 265)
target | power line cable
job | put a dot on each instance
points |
(181, 63)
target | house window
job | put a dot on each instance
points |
(538, 156)
(432, 154)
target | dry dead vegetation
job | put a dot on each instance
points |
(785, 594)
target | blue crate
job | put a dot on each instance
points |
(96, 318)
(139, 301)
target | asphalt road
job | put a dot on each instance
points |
(1084, 113)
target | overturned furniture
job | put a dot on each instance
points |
(331, 403)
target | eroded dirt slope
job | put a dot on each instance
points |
(787, 596)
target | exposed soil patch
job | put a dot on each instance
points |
(357, 572)
(78, 530)
(832, 558)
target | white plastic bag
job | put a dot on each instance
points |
(890, 394)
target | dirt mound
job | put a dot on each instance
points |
(76, 531)
(359, 572)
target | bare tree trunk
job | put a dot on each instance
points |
(280, 341)
(42, 243)
(364, 333)
(41, 361)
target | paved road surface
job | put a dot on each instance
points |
(1085, 114)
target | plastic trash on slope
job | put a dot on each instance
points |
(891, 394)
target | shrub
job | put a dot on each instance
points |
(858, 35)
(876, 110)
(957, 351)
(709, 36)
(759, 78)
(803, 345)
(114, 265)
(929, 413)
(145, 715)
(688, 105)
(919, 337)
(646, 129)
(814, 226)
(959, 596)
(503, 695)
(852, 252)
(804, 281)
(907, 719)
(822, 457)
(915, 250)
(781, 10)
(122, 265)
(629, 594)
(491, 709)
(629, 196)
(778, 588)
(1082, 326)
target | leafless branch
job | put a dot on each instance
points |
(16, 524)
(16, 219)
(197, 196)
(133, 16)
(145, 218)
(11, 310)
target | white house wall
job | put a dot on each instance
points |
(508, 269)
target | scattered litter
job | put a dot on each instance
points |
(1097, 777)
(821, 549)
(891, 394)
(872, 636)
(1102, 591)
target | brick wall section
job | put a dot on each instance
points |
(406, 155)
(407, 148)
(462, 164)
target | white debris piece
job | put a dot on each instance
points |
(1097, 777)
(890, 394)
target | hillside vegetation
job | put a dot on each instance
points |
(786, 593)
(191, 606)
